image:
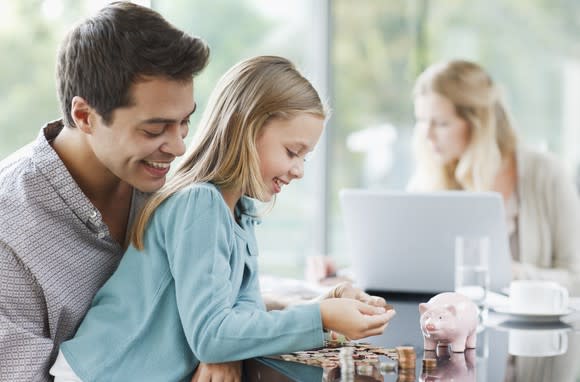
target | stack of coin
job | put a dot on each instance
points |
(406, 375)
(388, 365)
(407, 357)
(347, 368)
(429, 364)
(365, 369)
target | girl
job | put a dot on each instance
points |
(464, 140)
(187, 289)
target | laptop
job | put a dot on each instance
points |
(405, 242)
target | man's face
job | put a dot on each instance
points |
(143, 139)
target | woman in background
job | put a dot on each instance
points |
(464, 140)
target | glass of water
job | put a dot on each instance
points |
(472, 267)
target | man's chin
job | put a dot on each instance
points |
(149, 187)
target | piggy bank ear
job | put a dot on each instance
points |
(452, 309)
(423, 307)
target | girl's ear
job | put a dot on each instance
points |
(81, 113)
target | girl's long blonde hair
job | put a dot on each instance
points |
(477, 100)
(224, 151)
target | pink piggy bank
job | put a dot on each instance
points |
(449, 319)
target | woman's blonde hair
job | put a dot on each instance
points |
(477, 100)
(224, 151)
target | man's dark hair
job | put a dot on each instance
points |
(101, 57)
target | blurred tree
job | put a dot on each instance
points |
(231, 28)
(28, 40)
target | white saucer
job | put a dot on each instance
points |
(532, 317)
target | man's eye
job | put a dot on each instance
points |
(186, 122)
(152, 133)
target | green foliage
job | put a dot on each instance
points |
(28, 41)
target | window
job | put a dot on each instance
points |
(236, 30)
(377, 48)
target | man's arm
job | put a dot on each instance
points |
(25, 345)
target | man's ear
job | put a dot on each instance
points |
(81, 113)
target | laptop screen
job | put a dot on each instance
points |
(405, 242)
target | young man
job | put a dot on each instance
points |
(67, 200)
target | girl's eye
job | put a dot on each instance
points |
(186, 122)
(291, 153)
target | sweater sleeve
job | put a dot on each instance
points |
(250, 296)
(200, 245)
(563, 206)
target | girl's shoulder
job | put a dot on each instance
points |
(199, 197)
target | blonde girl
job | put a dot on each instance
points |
(187, 289)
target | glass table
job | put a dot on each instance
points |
(508, 349)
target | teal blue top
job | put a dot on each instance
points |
(191, 296)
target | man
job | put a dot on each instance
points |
(67, 200)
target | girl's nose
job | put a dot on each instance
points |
(297, 170)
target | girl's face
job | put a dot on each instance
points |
(439, 124)
(282, 147)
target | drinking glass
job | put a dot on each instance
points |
(472, 267)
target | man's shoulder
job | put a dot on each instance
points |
(22, 189)
(18, 162)
(16, 173)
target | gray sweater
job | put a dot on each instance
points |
(548, 221)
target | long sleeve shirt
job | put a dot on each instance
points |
(55, 253)
(190, 296)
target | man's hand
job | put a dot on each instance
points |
(218, 372)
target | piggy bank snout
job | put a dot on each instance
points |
(430, 326)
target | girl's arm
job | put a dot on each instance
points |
(204, 260)
(200, 243)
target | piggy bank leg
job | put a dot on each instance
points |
(471, 340)
(458, 346)
(429, 344)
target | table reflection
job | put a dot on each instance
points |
(552, 355)
(506, 351)
(449, 366)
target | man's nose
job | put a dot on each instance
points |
(174, 143)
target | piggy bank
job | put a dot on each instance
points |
(449, 319)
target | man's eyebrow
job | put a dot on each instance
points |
(160, 120)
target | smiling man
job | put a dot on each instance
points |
(67, 200)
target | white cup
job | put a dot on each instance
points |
(537, 297)
(537, 342)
